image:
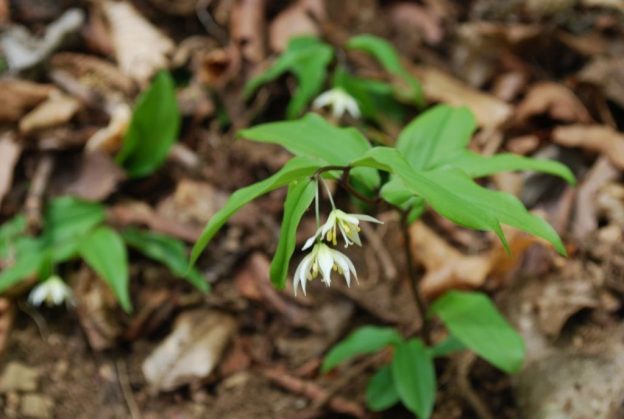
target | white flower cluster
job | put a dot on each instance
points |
(53, 291)
(339, 101)
(323, 259)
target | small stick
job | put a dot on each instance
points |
(124, 384)
(313, 392)
(463, 371)
(37, 189)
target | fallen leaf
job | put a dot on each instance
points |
(417, 21)
(20, 96)
(7, 315)
(247, 28)
(597, 138)
(442, 87)
(299, 19)
(97, 178)
(57, 110)
(10, 152)
(22, 50)
(18, 377)
(109, 138)
(5, 12)
(525, 144)
(191, 351)
(193, 202)
(554, 100)
(606, 72)
(610, 203)
(140, 49)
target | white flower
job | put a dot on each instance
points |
(340, 102)
(323, 259)
(348, 224)
(54, 291)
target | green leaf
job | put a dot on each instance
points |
(166, 250)
(474, 320)
(385, 53)
(381, 392)
(105, 252)
(436, 136)
(307, 59)
(153, 128)
(296, 169)
(448, 346)
(29, 254)
(414, 377)
(365, 340)
(443, 198)
(68, 218)
(300, 195)
(312, 136)
(477, 166)
(12, 228)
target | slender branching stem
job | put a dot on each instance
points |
(414, 278)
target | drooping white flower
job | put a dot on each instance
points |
(322, 260)
(348, 224)
(340, 101)
(53, 291)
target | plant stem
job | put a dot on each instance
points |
(414, 279)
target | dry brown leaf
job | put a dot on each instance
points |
(20, 96)
(10, 151)
(7, 315)
(58, 109)
(597, 138)
(417, 20)
(5, 12)
(98, 177)
(247, 28)
(193, 202)
(191, 351)
(554, 100)
(525, 144)
(109, 138)
(299, 19)
(607, 73)
(442, 87)
(140, 48)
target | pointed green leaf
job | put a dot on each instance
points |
(296, 169)
(477, 166)
(70, 218)
(28, 254)
(307, 59)
(381, 393)
(300, 195)
(474, 320)
(436, 136)
(105, 252)
(153, 128)
(365, 340)
(166, 250)
(385, 53)
(312, 136)
(447, 347)
(414, 377)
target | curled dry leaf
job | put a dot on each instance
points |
(607, 73)
(442, 87)
(109, 138)
(597, 138)
(447, 268)
(299, 19)
(191, 351)
(247, 28)
(22, 50)
(97, 178)
(10, 151)
(20, 96)
(554, 100)
(58, 109)
(140, 48)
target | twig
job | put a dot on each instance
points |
(464, 365)
(313, 392)
(414, 279)
(124, 384)
(208, 22)
(381, 251)
(37, 318)
(37, 188)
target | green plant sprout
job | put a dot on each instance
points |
(309, 59)
(76, 229)
(429, 166)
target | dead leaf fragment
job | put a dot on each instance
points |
(109, 138)
(191, 351)
(10, 151)
(20, 96)
(554, 100)
(140, 48)
(596, 138)
(442, 87)
(192, 202)
(98, 177)
(247, 28)
(607, 73)
(408, 17)
(58, 109)
(18, 377)
(299, 19)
